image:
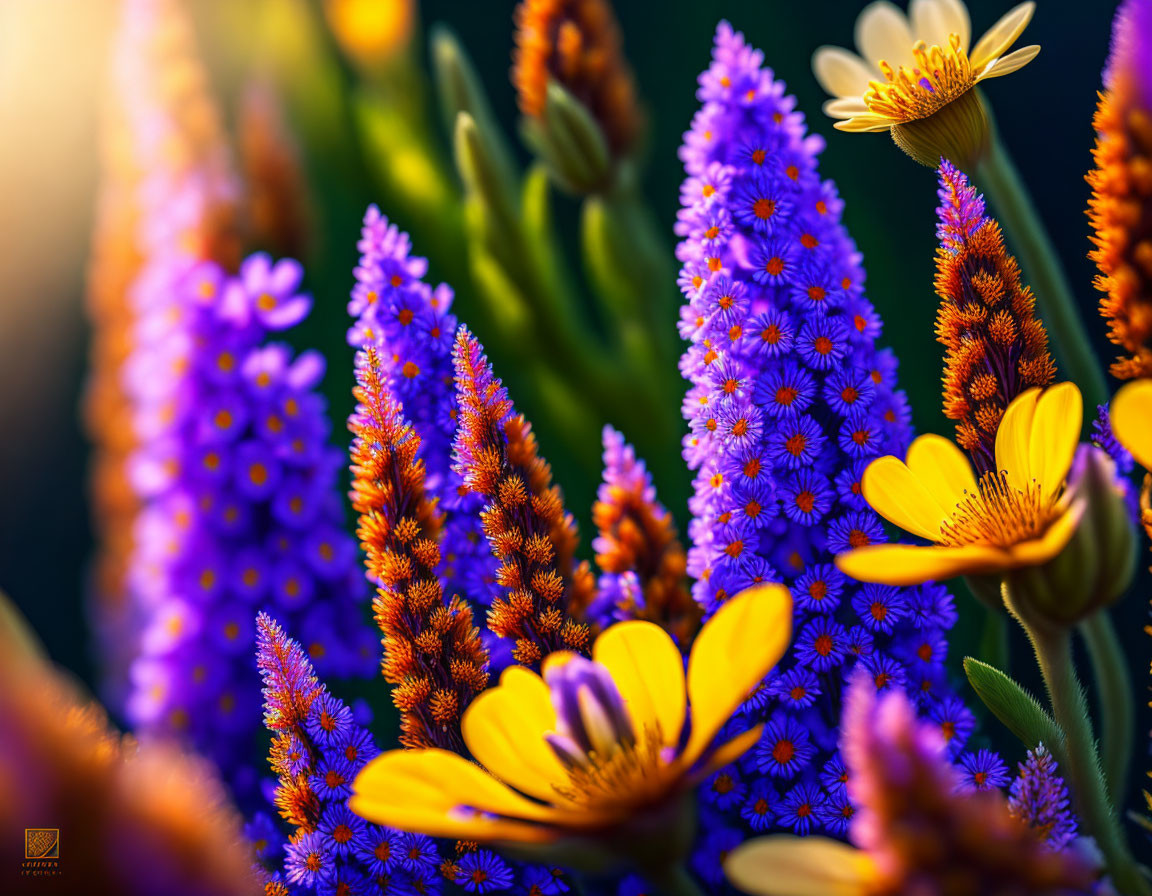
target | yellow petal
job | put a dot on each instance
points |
(1132, 420)
(556, 660)
(648, 671)
(1055, 435)
(1052, 542)
(437, 782)
(906, 564)
(736, 648)
(1001, 35)
(841, 73)
(460, 826)
(781, 865)
(504, 728)
(865, 124)
(882, 34)
(934, 21)
(1013, 62)
(845, 107)
(941, 468)
(728, 753)
(897, 494)
(1014, 437)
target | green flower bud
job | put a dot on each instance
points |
(1096, 566)
(570, 140)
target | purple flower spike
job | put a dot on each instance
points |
(961, 211)
(1040, 798)
(267, 292)
(411, 325)
(789, 399)
(242, 511)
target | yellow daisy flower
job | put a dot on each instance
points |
(1018, 515)
(1131, 416)
(591, 751)
(912, 68)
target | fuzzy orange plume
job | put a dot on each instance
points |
(1120, 208)
(638, 535)
(995, 345)
(578, 43)
(524, 520)
(277, 207)
(432, 650)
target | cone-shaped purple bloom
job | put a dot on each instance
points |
(790, 399)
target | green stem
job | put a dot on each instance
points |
(676, 881)
(994, 648)
(1114, 689)
(1001, 181)
(1082, 768)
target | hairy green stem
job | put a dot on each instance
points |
(1082, 768)
(998, 177)
(1114, 689)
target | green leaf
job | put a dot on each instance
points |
(1020, 712)
(509, 314)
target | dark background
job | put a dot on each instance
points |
(1044, 113)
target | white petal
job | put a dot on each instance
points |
(946, 17)
(1002, 35)
(840, 73)
(928, 22)
(883, 33)
(781, 865)
(1014, 61)
(845, 107)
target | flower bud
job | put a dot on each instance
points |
(1096, 566)
(569, 138)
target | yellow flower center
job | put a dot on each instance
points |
(628, 774)
(1000, 515)
(939, 76)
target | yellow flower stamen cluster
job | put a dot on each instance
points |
(998, 514)
(939, 76)
(625, 775)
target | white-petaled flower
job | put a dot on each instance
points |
(910, 67)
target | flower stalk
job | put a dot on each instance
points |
(999, 178)
(1053, 646)
(1114, 688)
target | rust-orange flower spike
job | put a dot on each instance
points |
(524, 518)
(638, 550)
(1121, 205)
(432, 650)
(996, 347)
(576, 42)
(277, 204)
